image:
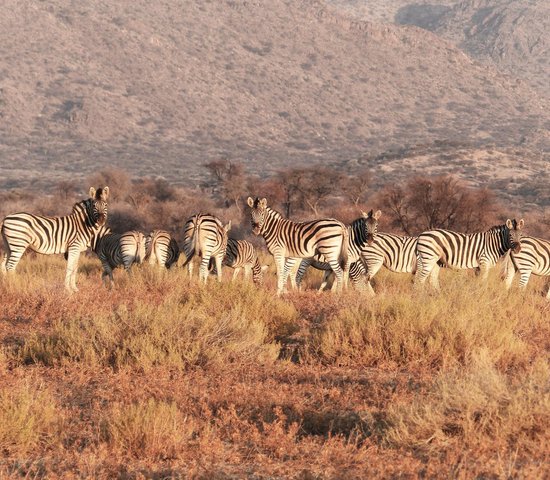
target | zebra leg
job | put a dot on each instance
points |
(11, 257)
(72, 267)
(281, 277)
(335, 265)
(289, 270)
(424, 269)
(236, 272)
(219, 259)
(300, 272)
(247, 273)
(434, 277)
(203, 269)
(324, 282)
(525, 275)
(509, 274)
(548, 294)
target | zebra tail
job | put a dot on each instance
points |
(148, 247)
(140, 253)
(194, 242)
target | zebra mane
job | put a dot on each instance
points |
(498, 228)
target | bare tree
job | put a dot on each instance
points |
(355, 187)
(441, 202)
(228, 180)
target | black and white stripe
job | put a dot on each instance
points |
(118, 250)
(241, 255)
(361, 233)
(397, 253)
(532, 259)
(161, 249)
(289, 241)
(51, 235)
(481, 250)
(205, 236)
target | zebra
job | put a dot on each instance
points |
(206, 236)
(241, 254)
(534, 258)
(289, 241)
(397, 253)
(161, 249)
(118, 249)
(361, 233)
(482, 250)
(71, 234)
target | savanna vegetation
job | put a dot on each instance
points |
(163, 378)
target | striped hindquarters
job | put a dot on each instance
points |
(205, 236)
(161, 248)
(116, 249)
(533, 258)
(204, 233)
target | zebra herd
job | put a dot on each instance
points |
(357, 251)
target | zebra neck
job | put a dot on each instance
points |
(272, 223)
(499, 239)
(82, 210)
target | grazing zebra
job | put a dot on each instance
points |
(361, 233)
(533, 258)
(289, 241)
(241, 254)
(161, 249)
(50, 235)
(206, 236)
(118, 250)
(397, 253)
(436, 248)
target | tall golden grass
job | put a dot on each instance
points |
(163, 377)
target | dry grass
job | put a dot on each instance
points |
(163, 378)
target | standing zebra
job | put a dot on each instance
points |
(50, 235)
(437, 248)
(118, 249)
(289, 241)
(361, 233)
(395, 252)
(161, 249)
(241, 254)
(533, 258)
(206, 236)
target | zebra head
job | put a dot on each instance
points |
(513, 234)
(370, 221)
(258, 213)
(99, 205)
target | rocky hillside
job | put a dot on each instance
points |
(161, 87)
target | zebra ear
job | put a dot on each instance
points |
(250, 202)
(105, 194)
(365, 214)
(264, 268)
(227, 227)
(378, 214)
(509, 224)
(263, 203)
(92, 192)
(521, 223)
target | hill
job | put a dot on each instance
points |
(160, 88)
(513, 34)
